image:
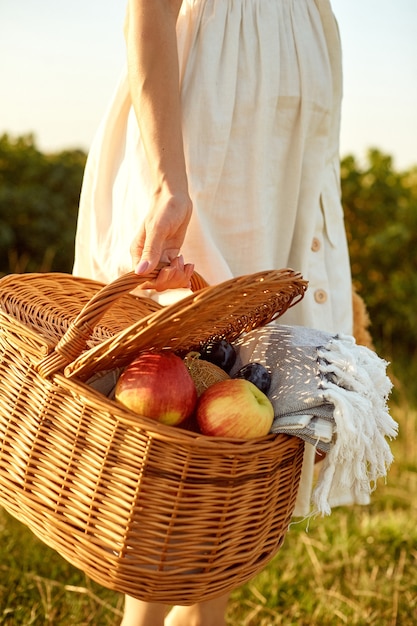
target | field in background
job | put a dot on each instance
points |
(357, 566)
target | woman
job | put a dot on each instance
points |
(221, 146)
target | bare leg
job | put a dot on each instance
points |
(138, 613)
(210, 613)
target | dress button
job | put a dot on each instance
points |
(320, 296)
(315, 244)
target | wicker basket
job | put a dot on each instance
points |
(159, 513)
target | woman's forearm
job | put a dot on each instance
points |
(152, 54)
(154, 84)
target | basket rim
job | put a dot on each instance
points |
(161, 431)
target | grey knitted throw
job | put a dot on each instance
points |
(332, 393)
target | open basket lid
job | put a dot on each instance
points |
(224, 310)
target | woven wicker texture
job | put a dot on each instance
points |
(157, 512)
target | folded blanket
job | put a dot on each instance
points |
(332, 393)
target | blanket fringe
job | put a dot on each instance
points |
(354, 380)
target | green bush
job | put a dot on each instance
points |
(381, 220)
(39, 197)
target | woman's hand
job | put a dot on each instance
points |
(160, 239)
(177, 275)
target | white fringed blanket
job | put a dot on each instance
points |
(332, 393)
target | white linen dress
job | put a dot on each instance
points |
(261, 96)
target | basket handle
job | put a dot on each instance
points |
(74, 341)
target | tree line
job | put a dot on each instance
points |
(39, 195)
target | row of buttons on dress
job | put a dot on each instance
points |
(320, 295)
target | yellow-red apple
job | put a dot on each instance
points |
(158, 385)
(234, 408)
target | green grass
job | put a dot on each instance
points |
(358, 566)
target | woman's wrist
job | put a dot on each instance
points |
(172, 195)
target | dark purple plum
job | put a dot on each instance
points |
(257, 374)
(219, 352)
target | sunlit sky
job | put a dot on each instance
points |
(60, 61)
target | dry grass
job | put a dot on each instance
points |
(356, 567)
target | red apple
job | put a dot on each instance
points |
(234, 408)
(158, 385)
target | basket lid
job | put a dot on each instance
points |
(224, 310)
